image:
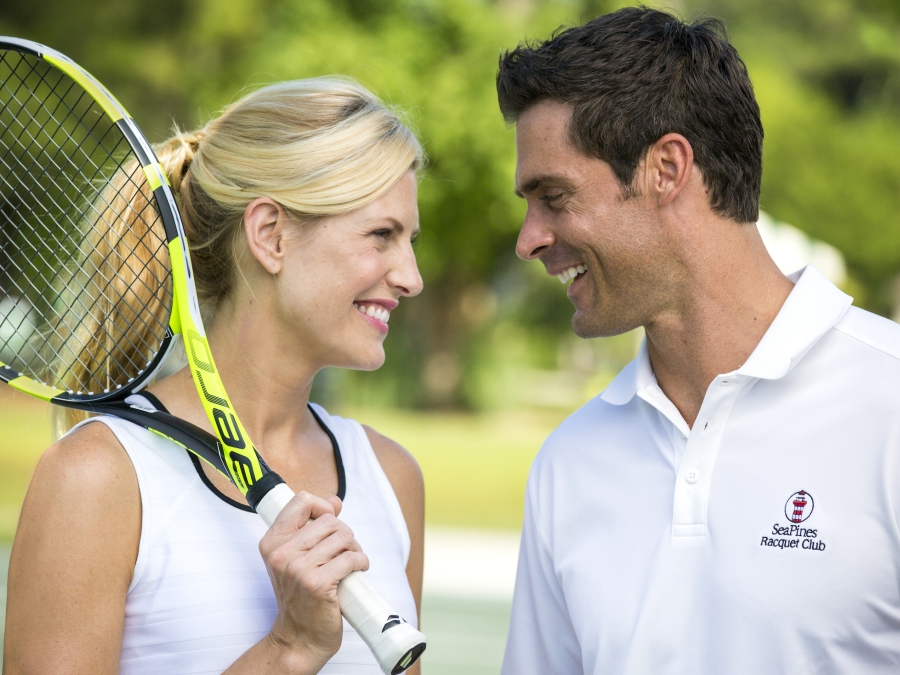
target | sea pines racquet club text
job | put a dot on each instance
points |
(793, 536)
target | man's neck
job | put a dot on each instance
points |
(728, 301)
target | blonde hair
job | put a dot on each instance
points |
(318, 147)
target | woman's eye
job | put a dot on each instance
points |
(383, 233)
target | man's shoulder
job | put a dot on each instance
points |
(871, 332)
(583, 429)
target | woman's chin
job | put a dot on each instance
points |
(364, 361)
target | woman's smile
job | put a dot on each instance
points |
(376, 312)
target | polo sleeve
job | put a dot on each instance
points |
(541, 636)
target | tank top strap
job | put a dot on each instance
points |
(368, 489)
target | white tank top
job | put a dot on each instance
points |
(200, 595)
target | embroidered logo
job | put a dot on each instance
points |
(797, 509)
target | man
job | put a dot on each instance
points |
(730, 503)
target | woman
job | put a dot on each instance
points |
(299, 203)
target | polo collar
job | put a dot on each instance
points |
(631, 379)
(813, 307)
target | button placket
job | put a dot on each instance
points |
(679, 441)
(695, 472)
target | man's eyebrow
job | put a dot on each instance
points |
(539, 181)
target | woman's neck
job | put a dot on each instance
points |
(267, 380)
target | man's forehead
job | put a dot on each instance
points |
(544, 153)
(544, 122)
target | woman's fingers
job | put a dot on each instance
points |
(307, 536)
(309, 540)
(337, 504)
(345, 563)
(333, 546)
(299, 511)
(319, 575)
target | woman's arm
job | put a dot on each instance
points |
(73, 559)
(405, 477)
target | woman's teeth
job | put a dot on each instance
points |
(374, 311)
(571, 273)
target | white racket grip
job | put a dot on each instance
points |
(394, 642)
(276, 499)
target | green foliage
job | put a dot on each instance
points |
(827, 74)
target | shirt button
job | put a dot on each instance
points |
(692, 476)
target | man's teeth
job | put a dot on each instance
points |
(571, 273)
(374, 311)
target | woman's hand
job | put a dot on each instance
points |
(307, 551)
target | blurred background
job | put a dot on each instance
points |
(482, 366)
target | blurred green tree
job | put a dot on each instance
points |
(827, 74)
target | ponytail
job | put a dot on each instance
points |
(121, 281)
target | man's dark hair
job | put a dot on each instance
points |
(637, 74)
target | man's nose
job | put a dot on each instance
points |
(534, 237)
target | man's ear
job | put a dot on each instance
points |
(264, 224)
(668, 165)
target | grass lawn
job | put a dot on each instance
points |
(475, 465)
(24, 435)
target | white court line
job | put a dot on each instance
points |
(475, 564)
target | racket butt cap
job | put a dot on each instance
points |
(395, 643)
(410, 657)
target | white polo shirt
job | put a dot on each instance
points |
(763, 541)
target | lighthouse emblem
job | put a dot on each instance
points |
(799, 507)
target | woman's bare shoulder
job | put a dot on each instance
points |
(87, 459)
(398, 463)
(84, 485)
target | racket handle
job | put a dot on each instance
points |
(273, 501)
(395, 643)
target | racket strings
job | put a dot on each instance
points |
(85, 283)
(22, 120)
(117, 287)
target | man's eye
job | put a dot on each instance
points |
(551, 198)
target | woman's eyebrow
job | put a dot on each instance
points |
(389, 219)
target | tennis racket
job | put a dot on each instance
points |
(91, 306)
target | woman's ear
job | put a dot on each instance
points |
(264, 224)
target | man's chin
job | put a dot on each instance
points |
(584, 326)
(589, 325)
